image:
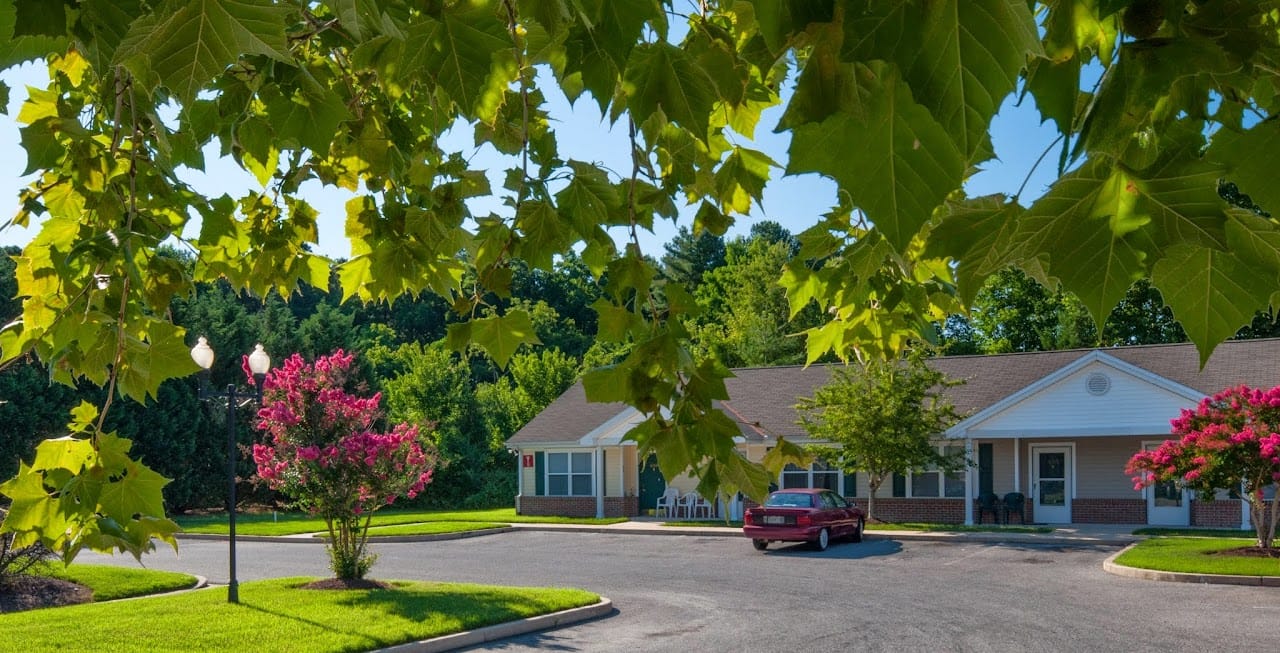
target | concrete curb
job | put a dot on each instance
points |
(310, 538)
(505, 630)
(1109, 565)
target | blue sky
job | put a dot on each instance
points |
(795, 202)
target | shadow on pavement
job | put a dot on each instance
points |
(837, 550)
(546, 640)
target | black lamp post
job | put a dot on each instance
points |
(259, 363)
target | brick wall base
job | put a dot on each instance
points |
(1223, 513)
(1108, 511)
(576, 506)
(938, 511)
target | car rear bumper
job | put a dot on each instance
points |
(782, 533)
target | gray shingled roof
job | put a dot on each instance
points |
(763, 399)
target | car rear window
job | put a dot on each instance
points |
(789, 500)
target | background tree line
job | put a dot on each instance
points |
(475, 406)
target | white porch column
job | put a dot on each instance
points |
(968, 482)
(599, 466)
(519, 478)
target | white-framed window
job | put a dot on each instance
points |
(818, 474)
(932, 482)
(569, 474)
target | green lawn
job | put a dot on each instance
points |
(1199, 555)
(276, 615)
(293, 523)
(109, 583)
(956, 528)
(434, 528)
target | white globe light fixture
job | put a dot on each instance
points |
(259, 363)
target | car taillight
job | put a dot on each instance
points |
(748, 518)
(804, 520)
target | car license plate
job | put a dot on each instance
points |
(775, 519)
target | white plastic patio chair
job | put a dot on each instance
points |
(666, 504)
(686, 505)
(702, 507)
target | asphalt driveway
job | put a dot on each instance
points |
(707, 594)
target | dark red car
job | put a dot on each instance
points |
(803, 515)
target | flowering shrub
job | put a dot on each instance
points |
(323, 453)
(1231, 441)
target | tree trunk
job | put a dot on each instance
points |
(873, 484)
(1264, 517)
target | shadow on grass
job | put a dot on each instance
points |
(456, 611)
(371, 642)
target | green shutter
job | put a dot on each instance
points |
(540, 474)
(986, 468)
(850, 484)
(899, 485)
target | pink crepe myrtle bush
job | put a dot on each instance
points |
(323, 452)
(1231, 441)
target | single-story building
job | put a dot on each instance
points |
(1056, 426)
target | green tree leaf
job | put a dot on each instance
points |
(1240, 151)
(501, 336)
(887, 151)
(953, 66)
(978, 234)
(661, 77)
(1209, 291)
(467, 53)
(191, 43)
(1088, 229)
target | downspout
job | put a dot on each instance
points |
(599, 482)
(1246, 524)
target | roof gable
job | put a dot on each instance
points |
(1097, 394)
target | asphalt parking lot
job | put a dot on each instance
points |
(707, 594)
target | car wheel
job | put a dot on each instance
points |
(760, 545)
(857, 533)
(824, 538)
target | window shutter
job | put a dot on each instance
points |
(540, 473)
(986, 467)
(899, 485)
(850, 484)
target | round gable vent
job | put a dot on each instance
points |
(1098, 383)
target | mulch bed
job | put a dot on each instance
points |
(1250, 552)
(348, 584)
(27, 592)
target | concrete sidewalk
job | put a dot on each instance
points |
(1067, 534)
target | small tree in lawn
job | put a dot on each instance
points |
(1231, 441)
(883, 418)
(324, 454)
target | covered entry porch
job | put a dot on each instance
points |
(1063, 442)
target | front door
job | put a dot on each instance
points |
(652, 485)
(1051, 484)
(1167, 504)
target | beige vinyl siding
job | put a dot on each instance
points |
(1100, 468)
(528, 475)
(613, 472)
(631, 471)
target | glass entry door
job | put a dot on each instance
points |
(1051, 484)
(1167, 504)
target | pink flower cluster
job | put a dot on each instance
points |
(1230, 440)
(322, 449)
